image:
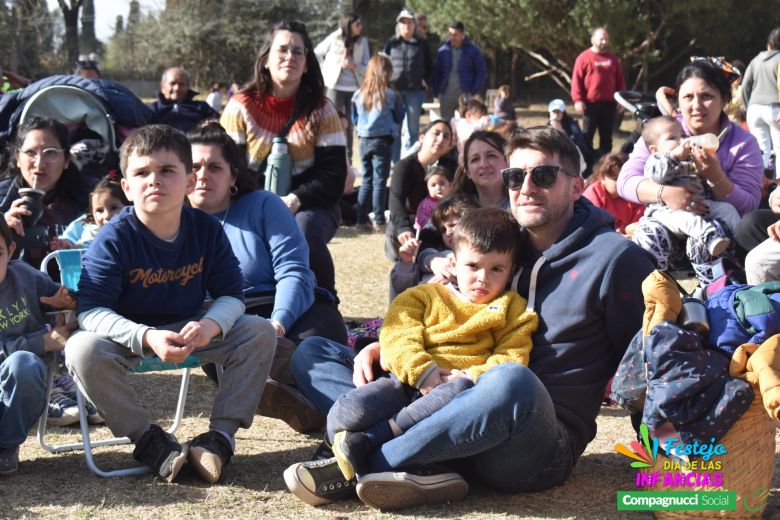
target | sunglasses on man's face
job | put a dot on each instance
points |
(542, 176)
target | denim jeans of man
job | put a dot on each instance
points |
(22, 396)
(413, 101)
(504, 427)
(375, 155)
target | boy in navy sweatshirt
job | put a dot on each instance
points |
(142, 287)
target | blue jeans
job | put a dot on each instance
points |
(504, 429)
(22, 396)
(375, 155)
(413, 100)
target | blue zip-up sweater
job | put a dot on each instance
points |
(472, 70)
(154, 282)
(378, 122)
(272, 252)
(589, 300)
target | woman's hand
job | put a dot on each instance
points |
(13, 217)
(708, 165)
(292, 202)
(684, 198)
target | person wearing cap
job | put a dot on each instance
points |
(562, 121)
(460, 69)
(597, 75)
(87, 69)
(176, 105)
(412, 69)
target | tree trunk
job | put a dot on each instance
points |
(71, 17)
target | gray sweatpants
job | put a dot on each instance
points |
(99, 366)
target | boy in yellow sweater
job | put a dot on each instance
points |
(438, 339)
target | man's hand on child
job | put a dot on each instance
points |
(199, 333)
(60, 300)
(364, 363)
(168, 345)
(435, 378)
(408, 251)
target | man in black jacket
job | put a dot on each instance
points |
(175, 105)
(412, 70)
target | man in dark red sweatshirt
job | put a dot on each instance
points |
(597, 75)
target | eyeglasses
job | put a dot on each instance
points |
(297, 52)
(47, 154)
(542, 176)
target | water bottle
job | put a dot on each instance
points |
(278, 170)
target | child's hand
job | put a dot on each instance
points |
(455, 373)
(434, 379)
(443, 270)
(55, 339)
(408, 251)
(57, 243)
(169, 346)
(199, 333)
(60, 300)
(681, 151)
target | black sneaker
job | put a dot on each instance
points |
(9, 461)
(160, 451)
(414, 487)
(318, 482)
(351, 450)
(209, 453)
(323, 451)
(285, 402)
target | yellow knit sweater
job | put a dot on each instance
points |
(431, 324)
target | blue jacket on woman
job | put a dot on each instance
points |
(472, 70)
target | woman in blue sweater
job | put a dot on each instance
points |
(274, 259)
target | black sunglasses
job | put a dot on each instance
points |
(542, 176)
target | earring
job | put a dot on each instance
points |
(233, 191)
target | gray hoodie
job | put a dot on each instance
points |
(22, 324)
(587, 290)
(759, 86)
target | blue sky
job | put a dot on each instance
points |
(106, 12)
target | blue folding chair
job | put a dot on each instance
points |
(69, 262)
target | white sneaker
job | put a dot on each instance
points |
(717, 245)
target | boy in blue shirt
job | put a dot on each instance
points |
(142, 287)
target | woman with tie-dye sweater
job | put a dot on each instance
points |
(288, 84)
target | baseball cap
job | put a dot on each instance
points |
(458, 26)
(556, 104)
(405, 13)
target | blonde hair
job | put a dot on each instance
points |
(373, 91)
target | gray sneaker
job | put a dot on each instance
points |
(318, 482)
(9, 460)
(401, 489)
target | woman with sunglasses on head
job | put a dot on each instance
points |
(41, 162)
(731, 174)
(344, 55)
(287, 92)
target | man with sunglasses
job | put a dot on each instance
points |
(519, 429)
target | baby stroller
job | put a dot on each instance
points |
(643, 107)
(98, 113)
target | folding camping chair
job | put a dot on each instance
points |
(69, 262)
